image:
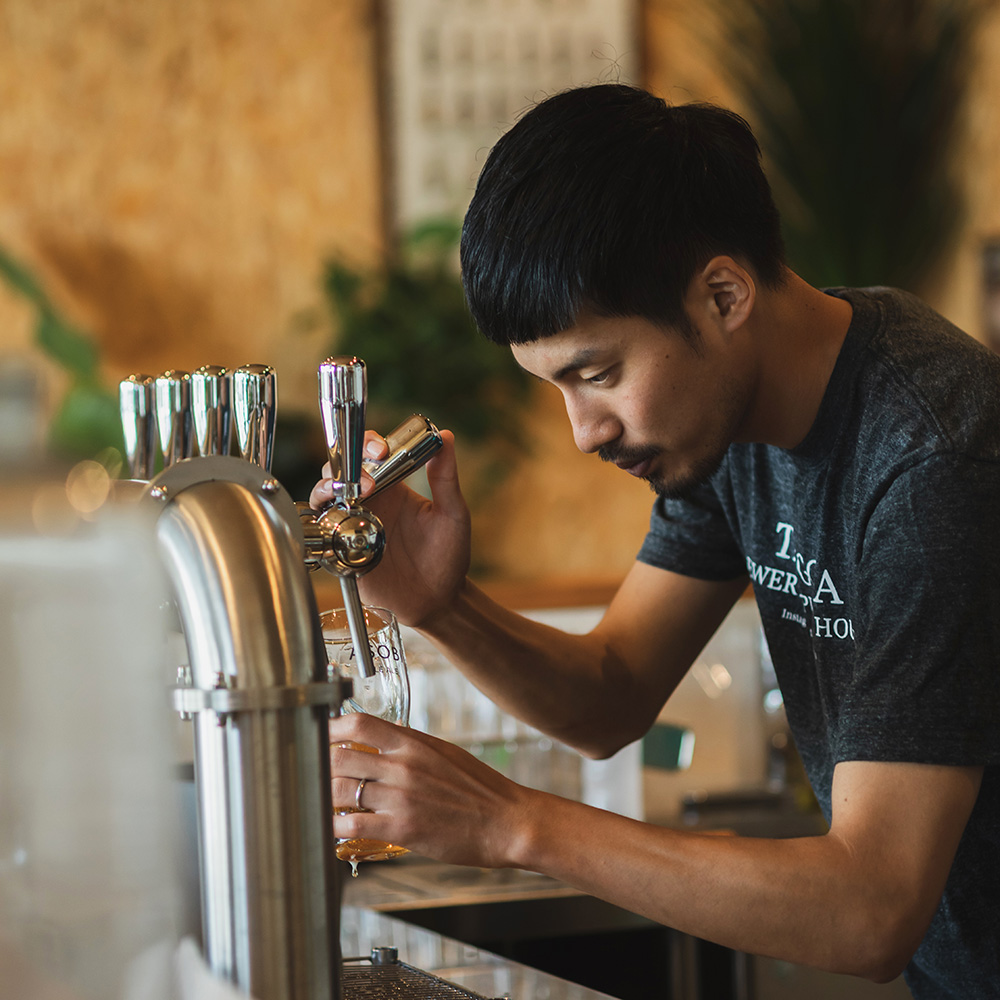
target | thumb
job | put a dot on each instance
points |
(442, 477)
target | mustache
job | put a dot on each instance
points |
(625, 455)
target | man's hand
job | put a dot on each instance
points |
(425, 794)
(427, 541)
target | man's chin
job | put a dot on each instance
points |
(674, 490)
(681, 487)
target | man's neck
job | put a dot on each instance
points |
(799, 331)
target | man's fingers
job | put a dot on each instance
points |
(375, 446)
(442, 477)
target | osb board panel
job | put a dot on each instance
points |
(178, 170)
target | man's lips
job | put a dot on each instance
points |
(636, 462)
(639, 469)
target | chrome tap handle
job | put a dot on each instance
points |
(137, 406)
(342, 396)
(173, 415)
(254, 396)
(210, 410)
(411, 444)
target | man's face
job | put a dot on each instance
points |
(644, 398)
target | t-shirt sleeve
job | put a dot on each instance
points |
(926, 683)
(692, 536)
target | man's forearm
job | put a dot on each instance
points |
(598, 691)
(558, 682)
(857, 900)
(804, 900)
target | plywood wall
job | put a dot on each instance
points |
(178, 170)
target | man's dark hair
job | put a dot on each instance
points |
(606, 199)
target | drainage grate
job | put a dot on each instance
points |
(386, 978)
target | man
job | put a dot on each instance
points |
(841, 449)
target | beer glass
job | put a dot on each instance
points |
(386, 694)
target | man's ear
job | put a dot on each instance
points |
(728, 291)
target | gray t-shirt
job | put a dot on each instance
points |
(873, 548)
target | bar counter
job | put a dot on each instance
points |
(472, 969)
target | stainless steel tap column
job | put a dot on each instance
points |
(237, 550)
(232, 543)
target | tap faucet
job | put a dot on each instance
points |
(357, 535)
(255, 399)
(210, 410)
(173, 415)
(137, 402)
(346, 538)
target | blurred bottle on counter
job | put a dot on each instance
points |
(20, 414)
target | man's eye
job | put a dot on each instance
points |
(599, 378)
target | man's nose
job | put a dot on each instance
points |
(592, 428)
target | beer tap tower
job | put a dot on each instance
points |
(237, 550)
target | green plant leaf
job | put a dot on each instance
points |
(409, 321)
(19, 278)
(856, 104)
(86, 422)
(74, 350)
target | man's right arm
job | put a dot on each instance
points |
(599, 691)
(596, 692)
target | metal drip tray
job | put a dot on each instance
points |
(384, 977)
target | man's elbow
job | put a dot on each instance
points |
(600, 742)
(886, 967)
(883, 945)
(593, 744)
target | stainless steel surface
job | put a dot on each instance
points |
(232, 548)
(173, 415)
(342, 396)
(210, 410)
(411, 444)
(254, 402)
(137, 406)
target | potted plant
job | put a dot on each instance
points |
(857, 105)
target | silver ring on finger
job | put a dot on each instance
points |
(357, 795)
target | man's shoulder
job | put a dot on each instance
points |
(922, 376)
(897, 318)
